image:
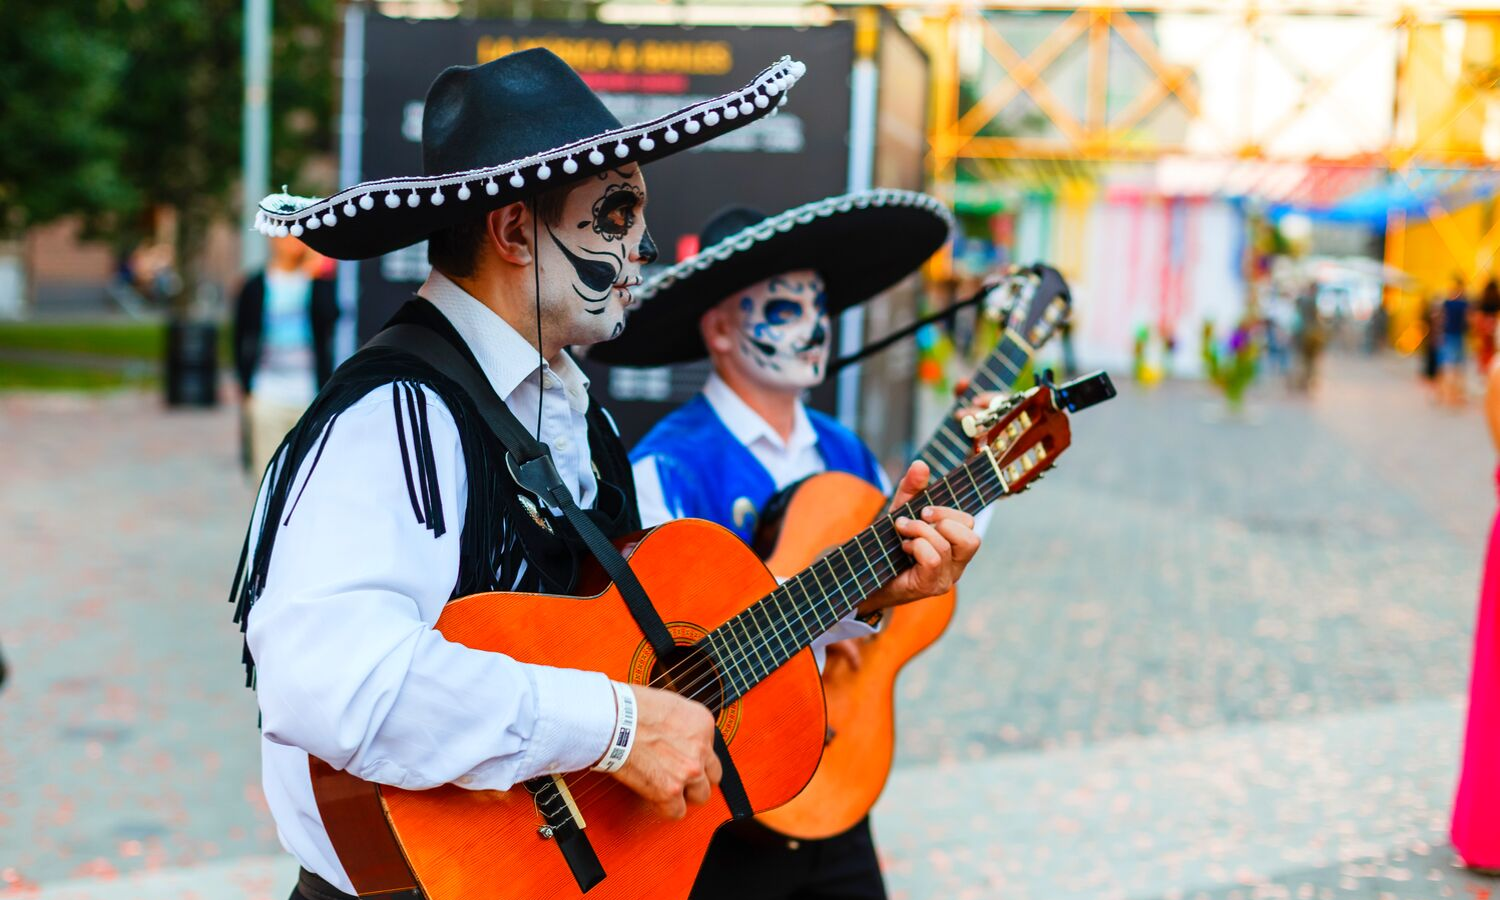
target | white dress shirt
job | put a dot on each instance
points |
(349, 667)
(786, 461)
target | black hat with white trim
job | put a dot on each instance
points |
(504, 131)
(860, 244)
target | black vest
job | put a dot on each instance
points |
(507, 543)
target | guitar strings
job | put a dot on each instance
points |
(703, 668)
(841, 584)
(707, 678)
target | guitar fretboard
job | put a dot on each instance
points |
(949, 445)
(756, 642)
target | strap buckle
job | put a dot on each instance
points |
(538, 476)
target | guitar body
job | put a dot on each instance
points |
(822, 512)
(462, 844)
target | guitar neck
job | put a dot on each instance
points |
(771, 631)
(949, 446)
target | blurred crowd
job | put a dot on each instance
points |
(1459, 327)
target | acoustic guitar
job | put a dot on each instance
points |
(742, 651)
(825, 509)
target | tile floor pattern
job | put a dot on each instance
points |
(1203, 660)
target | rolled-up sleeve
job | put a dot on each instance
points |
(349, 666)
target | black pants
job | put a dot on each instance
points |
(752, 862)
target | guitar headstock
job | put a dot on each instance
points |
(1031, 301)
(1023, 433)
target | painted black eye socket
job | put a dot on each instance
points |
(614, 214)
(780, 312)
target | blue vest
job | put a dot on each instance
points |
(708, 474)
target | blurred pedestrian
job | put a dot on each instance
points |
(1308, 337)
(283, 345)
(1486, 317)
(1476, 810)
(1430, 339)
(1378, 329)
(1279, 319)
(1453, 322)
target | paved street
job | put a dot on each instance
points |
(1203, 659)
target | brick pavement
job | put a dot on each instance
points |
(1208, 659)
(1203, 659)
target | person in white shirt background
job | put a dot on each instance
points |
(390, 497)
(284, 320)
(758, 301)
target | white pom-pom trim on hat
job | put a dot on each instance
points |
(281, 211)
(748, 237)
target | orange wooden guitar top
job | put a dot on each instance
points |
(462, 844)
(826, 510)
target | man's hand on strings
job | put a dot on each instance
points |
(673, 762)
(940, 541)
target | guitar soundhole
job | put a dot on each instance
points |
(689, 671)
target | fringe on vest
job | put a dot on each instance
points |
(502, 546)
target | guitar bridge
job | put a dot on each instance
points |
(555, 804)
(563, 822)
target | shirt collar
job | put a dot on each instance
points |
(746, 424)
(506, 358)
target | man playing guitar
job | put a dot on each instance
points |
(390, 496)
(762, 314)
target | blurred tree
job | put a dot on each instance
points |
(178, 109)
(58, 77)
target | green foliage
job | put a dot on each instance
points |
(125, 340)
(182, 101)
(29, 376)
(115, 108)
(59, 76)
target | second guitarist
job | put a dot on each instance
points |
(758, 303)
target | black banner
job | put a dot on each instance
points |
(799, 155)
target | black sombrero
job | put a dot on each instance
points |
(859, 243)
(500, 132)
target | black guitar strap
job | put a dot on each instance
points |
(531, 466)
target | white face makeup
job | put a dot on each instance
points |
(592, 257)
(783, 329)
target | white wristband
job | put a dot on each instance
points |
(623, 737)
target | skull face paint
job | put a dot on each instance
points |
(784, 330)
(593, 256)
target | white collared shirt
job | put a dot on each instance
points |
(349, 667)
(509, 361)
(787, 461)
